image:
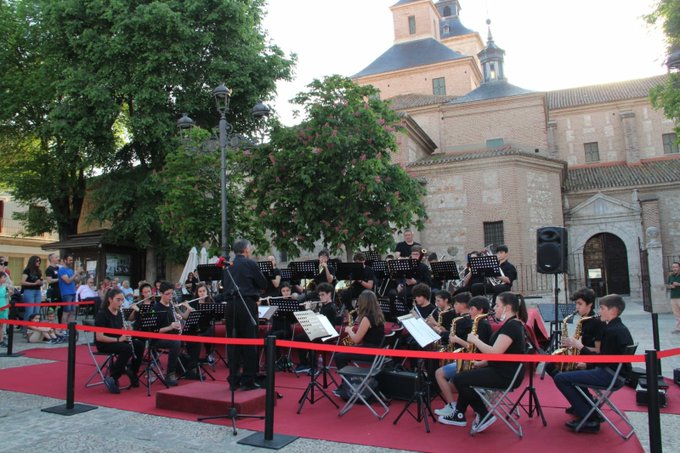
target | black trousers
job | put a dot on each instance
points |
(123, 352)
(479, 377)
(242, 359)
(173, 348)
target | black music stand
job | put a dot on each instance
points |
(444, 270)
(534, 405)
(485, 266)
(209, 272)
(236, 297)
(267, 268)
(380, 269)
(149, 323)
(304, 269)
(190, 327)
(210, 312)
(349, 271)
(386, 308)
(403, 268)
(371, 255)
(284, 313)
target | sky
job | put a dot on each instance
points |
(549, 44)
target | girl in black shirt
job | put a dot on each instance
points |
(509, 339)
(371, 329)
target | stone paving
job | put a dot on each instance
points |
(25, 428)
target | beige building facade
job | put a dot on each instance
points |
(504, 161)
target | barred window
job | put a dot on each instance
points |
(592, 152)
(412, 25)
(439, 86)
(493, 233)
(670, 143)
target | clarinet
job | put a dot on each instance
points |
(125, 327)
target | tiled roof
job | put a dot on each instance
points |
(456, 28)
(622, 175)
(407, 101)
(410, 54)
(506, 150)
(491, 90)
(597, 94)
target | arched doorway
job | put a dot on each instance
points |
(606, 264)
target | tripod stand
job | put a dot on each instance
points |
(534, 405)
(233, 370)
(308, 395)
(421, 396)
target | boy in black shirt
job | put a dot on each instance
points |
(327, 309)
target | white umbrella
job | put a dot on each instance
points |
(203, 256)
(190, 266)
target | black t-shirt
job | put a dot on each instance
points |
(32, 276)
(272, 291)
(375, 334)
(321, 276)
(514, 329)
(164, 315)
(509, 271)
(328, 310)
(484, 331)
(615, 338)
(108, 320)
(591, 331)
(425, 311)
(404, 249)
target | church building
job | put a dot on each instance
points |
(501, 161)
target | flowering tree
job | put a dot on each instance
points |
(331, 178)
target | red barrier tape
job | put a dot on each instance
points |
(17, 322)
(53, 304)
(536, 358)
(5, 307)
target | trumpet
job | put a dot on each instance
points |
(321, 268)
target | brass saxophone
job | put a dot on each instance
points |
(452, 332)
(578, 332)
(436, 346)
(466, 365)
(347, 340)
(565, 351)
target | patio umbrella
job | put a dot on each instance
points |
(190, 266)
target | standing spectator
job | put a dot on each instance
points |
(674, 285)
(31, 282)
(67, 288)
(52, 278)
(190, 283)
(4, 312)
(3, 268)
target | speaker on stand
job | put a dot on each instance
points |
(551, 258)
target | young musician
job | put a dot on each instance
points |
(370, 331)
(251, 282)
(421, 300)
(127, 349)
(366, 282)
(615, 338)
(274, 281)
(448, 311)
(204, 327)
(591, 329)
(146, 298)
(168, 322)
(509, 339)
(505, 280)
(478, 305)
(673, 284)
(467, 279)
(326, 308)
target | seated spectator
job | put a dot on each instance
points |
(38, 334)
(128, 292)
(88, 292)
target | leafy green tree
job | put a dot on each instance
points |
(101, 85)
(667, 95)
(331, 178)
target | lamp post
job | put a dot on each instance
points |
(222, 95)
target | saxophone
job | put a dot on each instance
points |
(573, 351)
(347, 340)
(565, 351)
(452, 333)
(466, 365)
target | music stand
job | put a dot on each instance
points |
(444, 270)
(267, 268)
(380, 269)
(386, 308)
(425, 336)
(304, 269)
(486, 266)
(316, 326)
(371, 255)
(403, 268)
(534, 405)
(210, 312)
(190, 327)
(149, 323)
(349, 271)
(400, 308)
(287, 276)
(209, 272)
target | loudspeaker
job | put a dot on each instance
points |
(551, 250)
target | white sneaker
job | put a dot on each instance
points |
(455, 419)
(446, 410)
(478, 428)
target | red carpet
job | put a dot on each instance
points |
(320, 421)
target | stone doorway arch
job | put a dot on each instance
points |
(605, 260)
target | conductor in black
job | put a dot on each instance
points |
(250, 282)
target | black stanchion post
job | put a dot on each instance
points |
(653, 402)
(10, 334)
(268, 439)
(70, 408)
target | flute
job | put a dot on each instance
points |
(140, 301)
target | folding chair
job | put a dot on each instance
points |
(499, 404)
(603, 393)
(356, 390)
(102, 369)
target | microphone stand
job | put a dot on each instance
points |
(233, 412)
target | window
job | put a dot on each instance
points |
(670, 143)
(439, 86)
(494, 143)
(412, 25)
(592, 152)
(493, 233)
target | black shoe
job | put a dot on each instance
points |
(192, 375)
(569, 410)
(134, 379)
(588, 427)
(111, 385)
(171, 380)
(251, 386)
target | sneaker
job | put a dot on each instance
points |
(111, 385)
(446, 410)
(302, 369)
(3, 344)
(455, 419)
(477, 427)
(211, 359)
(171, 380)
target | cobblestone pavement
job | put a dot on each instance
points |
(25, 428)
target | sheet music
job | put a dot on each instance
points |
(419, 330)
(266, 312)
(316, 325)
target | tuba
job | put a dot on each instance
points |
(466, 365)
(347, 340)
(493, 281)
